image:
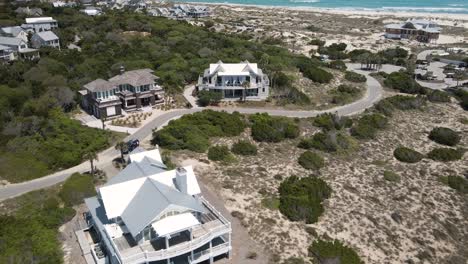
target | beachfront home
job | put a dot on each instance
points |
(14, 32)
(130, 90)
(19, 48)
(45, 39)
(6, 54)
(149, 214)
(39, 24)
(235, 81)
(420, 30)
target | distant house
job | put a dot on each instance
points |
(86, 2)
(45, 39)
(199, 11)
(29, 11)
(420, 30)
(160, 11)
(232, 80)
(150, 214)
(92, 11)
(63, 4)
(6, 54)
(15, 32)
(39, 24)
(189, 11)
(129, 91)
(19, 48)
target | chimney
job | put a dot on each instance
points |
(122, 69)
(181, 179)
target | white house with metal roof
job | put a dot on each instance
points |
(45, 39)
(235, 81)
(18, 48)
(149, 214)
(420, 30)
(39, 24)
(14, 32)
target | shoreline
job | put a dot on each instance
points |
(350, 11)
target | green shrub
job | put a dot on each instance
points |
(266, 128)
(462, 96)
(323, 251)
(368, 126)
(344, 94)
(206, 98)
(437, 96)
(76, 188)
(407, 155)
(444, 136)
(401, 102)
(311, 161)
(445, 154)
(219, 153)
(456, 182)
(310, 69)
(193, 131)
(329, 121)
(271, 203)
(317, 42)
(329, 142)
(355, 77)
(301, 199)
(391, 176)
(244, 148)
(404, 83)
(337, 65)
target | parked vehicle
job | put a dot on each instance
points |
(131, 145)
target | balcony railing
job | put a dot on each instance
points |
(205, 254)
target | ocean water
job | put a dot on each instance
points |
(431, 6)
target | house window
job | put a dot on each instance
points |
(263, 89)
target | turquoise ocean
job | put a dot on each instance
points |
(431, 6)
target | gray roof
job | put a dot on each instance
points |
(97, 209)
(150, 201)
(99, 85)
(146, 167)
(4, 47)
(47, 35)
(12, 30)
(8, 41)
(135, 77)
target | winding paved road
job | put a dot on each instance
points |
(373, 94)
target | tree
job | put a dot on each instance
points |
(91, 156)
(122, 147)
(245, 85)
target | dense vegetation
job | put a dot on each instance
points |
(193, 131)
(400, 102)
(219, 153)
(368, 125)
(29, 232)
(328, 141)
(456, 182)
(329, 121)
(355, 77)
(206, 98)
(333, 252)
(311, 160)
(407, 155)
(445, 136)
(301, 198)
(244, 148)
(403, 82)
(76, 188)
(345, 94)
(266, 128)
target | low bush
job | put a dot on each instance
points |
(329, 141)
(76, 188)
(219, 153)
(407, 155)
(404, 83)
(444, 136)
(462, 96)
(206, 98)
(245, 148)
(333, 251)
(456, 182)
(329, 121)
(311, 161)
(401, 102)
(301, 198)
(317, 42)
(445, 154)
(344, 94)
(437, 96)
(337, 65)
(391, 176)
(266, 128)
(368, 126)
(355, 77)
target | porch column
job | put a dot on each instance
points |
(211, 253)
(167, 246)
(229, 252)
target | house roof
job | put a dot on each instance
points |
(33, 20)
(14, 31)
(4, 47)
(243, 68)
(47, 35)
(135, 77)
(98, 85)
(175, 223)
(8, 41)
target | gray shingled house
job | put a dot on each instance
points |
(130, 90)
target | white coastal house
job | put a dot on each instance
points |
(235, 81)
(92, 11)
(17, 48)
(39, 24)
(149, 214)
(14, 32)
(45, 39)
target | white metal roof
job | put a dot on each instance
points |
(33, 20)
(138, 157)
(235, 69)
(175, 223)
